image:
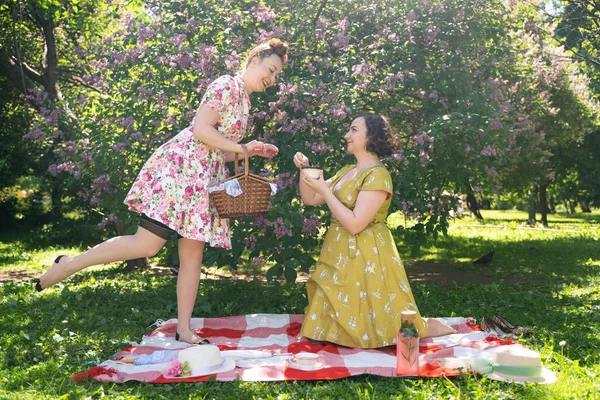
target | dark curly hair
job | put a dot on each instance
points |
(380, 137)
(273, 46)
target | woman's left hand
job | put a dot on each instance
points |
(264, 150)
(318, 185)
(270, 150)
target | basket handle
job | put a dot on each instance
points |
(245, 163)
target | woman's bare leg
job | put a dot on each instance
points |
(188, 279)
(435, 327)
(143, 244)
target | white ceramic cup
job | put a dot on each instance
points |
(314, 173)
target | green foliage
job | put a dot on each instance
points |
(479, 100)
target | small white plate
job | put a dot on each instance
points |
(317, 365)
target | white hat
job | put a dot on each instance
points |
(518, 364)
(205, 360)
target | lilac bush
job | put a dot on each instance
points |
(443, 71)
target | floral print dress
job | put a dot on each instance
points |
(359, 286)
(172, 186)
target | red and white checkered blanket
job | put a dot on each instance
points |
(280, 333)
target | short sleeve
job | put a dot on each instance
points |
(219, 95)
(378, 179)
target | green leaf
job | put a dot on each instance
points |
(274, 272)
(290, 274)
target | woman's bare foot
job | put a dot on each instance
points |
(57, 273)
(189, 336)
(435, 327)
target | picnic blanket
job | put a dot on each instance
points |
(280, 333)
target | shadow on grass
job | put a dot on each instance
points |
(541, 261)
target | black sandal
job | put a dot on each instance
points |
(488, 325)
(38, 286)
(515, 330)
(200, 342)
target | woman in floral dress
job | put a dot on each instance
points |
(171, 191)
(359, 286)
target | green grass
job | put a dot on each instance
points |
(548, 279)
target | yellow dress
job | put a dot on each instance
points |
(359, 286)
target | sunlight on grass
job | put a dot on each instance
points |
(547, 279)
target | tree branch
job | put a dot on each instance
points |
(11, 70)
(321, 8)
(571, 49)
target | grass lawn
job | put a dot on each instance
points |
(548, 279)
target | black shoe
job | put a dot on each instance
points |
(508, 326)
(38, 286)
(488, 325)
(201, 341)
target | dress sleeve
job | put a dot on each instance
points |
(220, 95)
(378, 179)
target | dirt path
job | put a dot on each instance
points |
(436, 273)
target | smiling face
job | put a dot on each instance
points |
(357, 136)
(262, 74)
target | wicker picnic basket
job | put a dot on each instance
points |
(254, 200)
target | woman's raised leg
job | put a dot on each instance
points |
(190, 262)
(143, 244)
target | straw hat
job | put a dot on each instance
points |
(205, 360)
(516, 363)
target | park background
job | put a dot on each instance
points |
(494, 101)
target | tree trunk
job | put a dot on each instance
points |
(136, 263)
(552, 205)
(472, 203)
(544, 204)
(532, 196)
(572, 205)
(585, 207)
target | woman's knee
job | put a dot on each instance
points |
(152, 249)
(148, 244)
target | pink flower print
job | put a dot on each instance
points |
(164, 218)
(181, 215)
(179, 160)
(202, 205)
(189, 191)
(199, 186)
(146, 177)
(202, 152)
(156, 188)
(164, 204)
(171, 157)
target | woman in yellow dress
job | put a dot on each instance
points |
(359, 286)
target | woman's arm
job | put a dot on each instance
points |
(308, 194)
(205, 131)
(356, 220)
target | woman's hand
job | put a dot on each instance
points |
(300, 160)
(270, 150)
(255, 148)
(318, 185)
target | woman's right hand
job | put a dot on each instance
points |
(300, 160)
